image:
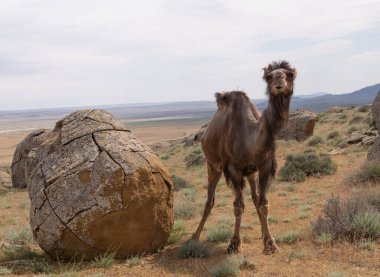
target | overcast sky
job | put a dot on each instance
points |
(89, 52)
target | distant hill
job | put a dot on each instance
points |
(326, 101)
(195, 109)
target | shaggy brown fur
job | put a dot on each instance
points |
(239, 143)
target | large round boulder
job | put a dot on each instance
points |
(20, 157)
(96, 188)
(300, 126)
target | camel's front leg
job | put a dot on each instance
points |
(270, 246)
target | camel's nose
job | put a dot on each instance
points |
(278, 87)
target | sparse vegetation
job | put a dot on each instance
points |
(356, 119)
(184, 208)
(290, 237)
(352, 219)
(194, 159)
(134, 261)
(180, 183)
(218, 234)
(104, 261)
(368, 173)
(363, 109)
(314, 140)
(332, 134)
(177, 232)
(324, 238)
(193, 249)
(298, 167)
(4, 271)
(224, 269)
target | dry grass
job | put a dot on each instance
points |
(302, 254)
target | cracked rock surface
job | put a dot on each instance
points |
(19, 170)
(94, 188)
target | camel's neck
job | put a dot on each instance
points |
(272, 120)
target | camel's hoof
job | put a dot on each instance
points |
(194, 237)
(233, 249)
(271, 248)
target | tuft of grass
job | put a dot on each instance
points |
(197, 150)
(180, 183)
(293, 255)
(40, 266)
(332, 134)
(218, 234)
(298, 167)
(324, 238)
(104, 261)
(282, 193)
(14, 252)
(290, 237)
(314, 140)
(4, 271)
(367, 244)
(272, 219)
(287, 220)
(303, 214)
(289, 187)
(352, 129)
(356, 119)
(134, 261)
(353, 219)
(184, 209)
(193, 160)
(177, 232)
(165, 157)
(368, 173)
(19, 238)
(193, 249)
(224, 269)
(336, 274)
(189, 193)
(363, 109)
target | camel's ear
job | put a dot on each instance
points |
(221, 98)
(267, 70)
(292, 73)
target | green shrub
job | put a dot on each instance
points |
(197, 150)
(177, 232)
(298, 167)
(332, 134)
(183, 208)
(352, 129)
(193, 160)
(22, 237)
(291, 237)
(5, 271)
(353, 219)
(224, 269)
(165, 157)
(180, 183)
(324, 238)
(134, 261)
(368, 173)
(219, 234)
(356, 119)
(104, 261)
(314, 140)
(363, 109)
(193, 249)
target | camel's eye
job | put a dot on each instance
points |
(290, 75)
(268, 77)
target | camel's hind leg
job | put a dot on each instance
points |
(237, 180)
(213, 179)
(255, 198)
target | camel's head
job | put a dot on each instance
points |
(279, 77)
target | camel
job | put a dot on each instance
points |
(240, 142)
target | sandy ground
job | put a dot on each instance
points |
(147, 132)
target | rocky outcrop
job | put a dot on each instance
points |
(376, 111)
(366, 138)
(20, 157)
(96, 188)
(300, 126)
(374, 152)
